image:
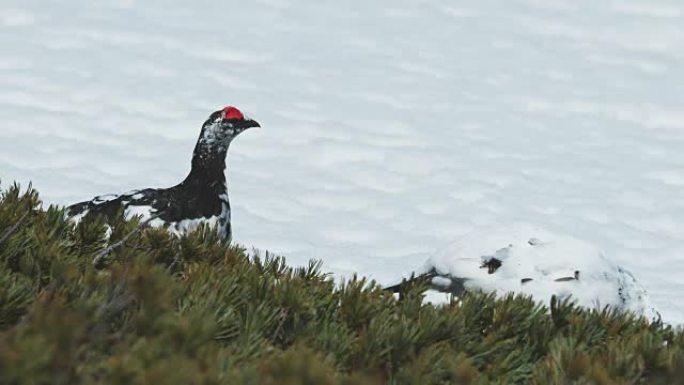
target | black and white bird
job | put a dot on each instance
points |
(201, 198)
(529, 259)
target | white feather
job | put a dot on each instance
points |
(540, 263)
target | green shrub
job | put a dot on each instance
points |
(194, 310)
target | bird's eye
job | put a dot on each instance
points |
(232, 113)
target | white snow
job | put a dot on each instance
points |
(390, 128)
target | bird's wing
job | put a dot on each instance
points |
(109, 205)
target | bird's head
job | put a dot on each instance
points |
(224, 125)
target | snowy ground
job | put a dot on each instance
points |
(389, 127)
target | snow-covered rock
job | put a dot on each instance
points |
(528, 259)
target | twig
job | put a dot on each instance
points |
(14, 228)
(104, 253)
(281, 323)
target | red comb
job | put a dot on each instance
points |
(231, 112)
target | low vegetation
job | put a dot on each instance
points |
(194, 310)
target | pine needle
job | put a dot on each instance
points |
(13, 228)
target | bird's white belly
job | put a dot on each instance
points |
(183, 226)
(190, 225)
(144, 213)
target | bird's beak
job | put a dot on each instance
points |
(249, 122)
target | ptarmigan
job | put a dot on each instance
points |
(528, 259)
(201, 198)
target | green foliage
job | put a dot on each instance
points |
(194, 310)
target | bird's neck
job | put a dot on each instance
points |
(208, 167)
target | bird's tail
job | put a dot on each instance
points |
(412, 281)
